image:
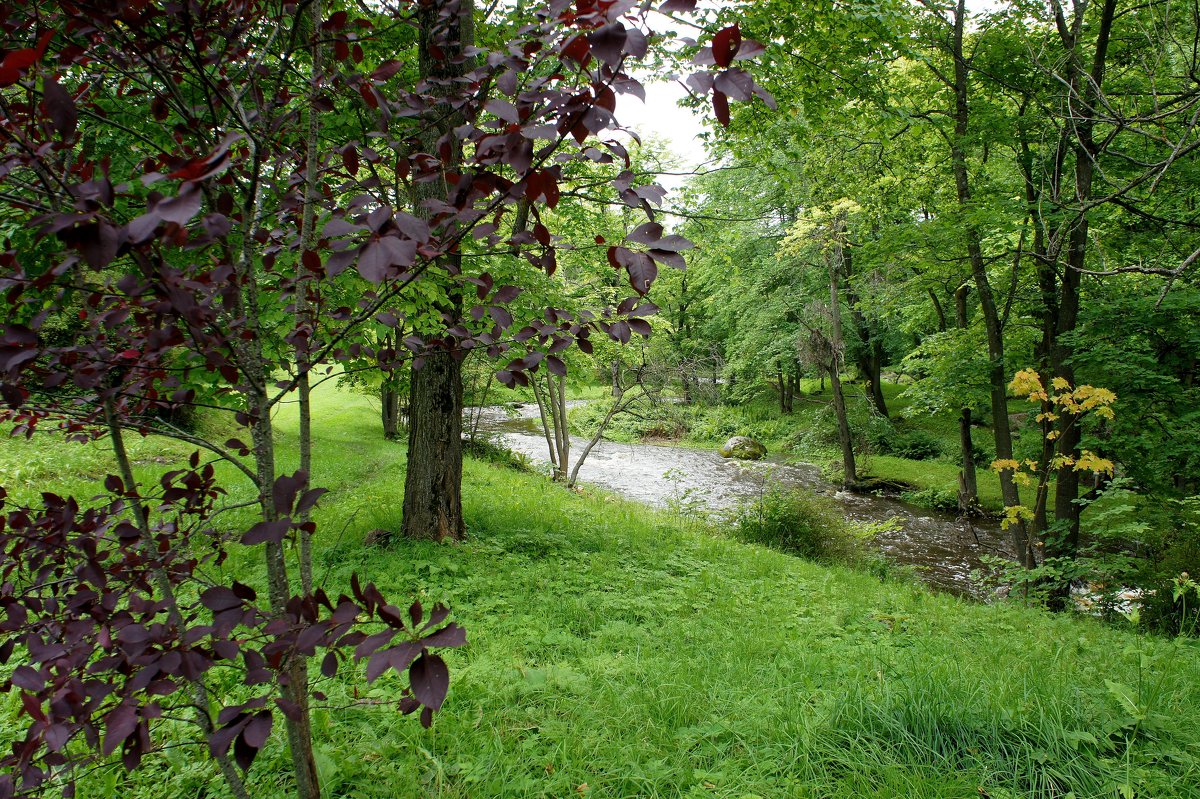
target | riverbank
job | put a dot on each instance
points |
(615, 651)
(919, 453)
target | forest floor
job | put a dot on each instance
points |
(618, 652)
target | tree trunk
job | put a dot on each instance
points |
(869, 358)
(1063, 541)
(304, 307)
(997, 376)
(433, 482)
(845, 440)
(389, 399)
(968, 484)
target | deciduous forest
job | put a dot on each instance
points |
(385, 415)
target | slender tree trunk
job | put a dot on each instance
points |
(544, 414)
(200, 696)
(968, 499)
(389, 399)
(937, 308)
(433, 482)
(294, 674)
(1086, 86)
(845, 440)
(304, 308)
(968, 484)
(870, 356)
(997, 375)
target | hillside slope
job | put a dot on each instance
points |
(616, 652)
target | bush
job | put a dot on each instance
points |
(934, 498)
(917, 445)
(802, 523)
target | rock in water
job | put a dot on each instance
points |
(743, 448)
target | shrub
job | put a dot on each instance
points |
(934, 498)
(917, 445)
(802, 523)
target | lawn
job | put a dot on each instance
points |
(618, 652)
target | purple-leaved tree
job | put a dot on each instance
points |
(182, 236)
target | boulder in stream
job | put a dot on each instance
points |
(743, 448)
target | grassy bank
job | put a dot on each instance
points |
(616, 652)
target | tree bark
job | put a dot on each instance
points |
(304, 308)
(869, 355)
(433, 482)
(968, 493)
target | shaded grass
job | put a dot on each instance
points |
(615, 653)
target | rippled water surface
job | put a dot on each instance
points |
(940, 547)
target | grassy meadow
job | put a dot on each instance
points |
(618, 652)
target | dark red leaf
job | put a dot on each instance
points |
(119, 724)
(721, 108)
(182, 208)
(641, 327)
(648, 234)
(266, 532)
(430, 680)
(556, 367)
(27, 679)
(386, 70)
(259, 729)
(725, 45)
(608, 43)
(60, 107)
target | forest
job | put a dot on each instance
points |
(386, 415)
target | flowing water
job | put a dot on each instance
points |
(941, 548)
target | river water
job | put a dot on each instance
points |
(942, 549)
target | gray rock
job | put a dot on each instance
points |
(743, 448)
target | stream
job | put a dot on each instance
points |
(941, 549)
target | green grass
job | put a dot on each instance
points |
(618, 649)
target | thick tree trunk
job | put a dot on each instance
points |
(433, 482)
